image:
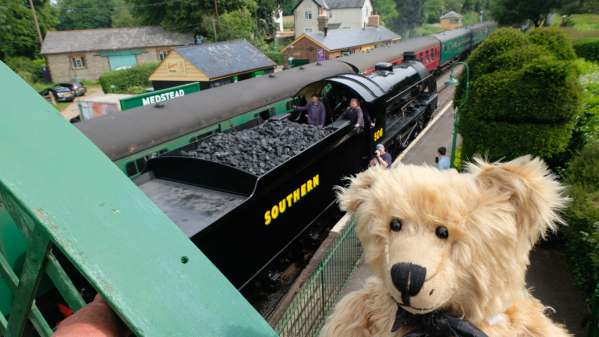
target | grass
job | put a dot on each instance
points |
(582, 26)
(586, 22)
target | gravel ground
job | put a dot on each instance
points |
(259, 149)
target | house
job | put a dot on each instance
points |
(452, 20)
(341, 14)
(86, 54)
(326, 45)
(211, 64)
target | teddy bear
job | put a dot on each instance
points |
(449, 250)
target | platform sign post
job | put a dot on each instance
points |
(320, 55)
(159, 96)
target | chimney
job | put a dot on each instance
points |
(323, 23)
(374, 20)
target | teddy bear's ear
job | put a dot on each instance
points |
(352, 197)
(535, 193)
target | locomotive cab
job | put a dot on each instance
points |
(397, 101)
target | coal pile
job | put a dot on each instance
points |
(259, 149)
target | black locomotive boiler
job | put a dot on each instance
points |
(244, 197)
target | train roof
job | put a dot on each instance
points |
(124, 133)
(378, 84)
(451, 34)
(364, 61)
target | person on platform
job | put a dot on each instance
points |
(354, 113)
(381, 157)
(442, 160)
(315, 111)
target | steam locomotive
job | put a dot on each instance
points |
(254, 217)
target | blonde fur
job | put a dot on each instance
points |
(495, 213)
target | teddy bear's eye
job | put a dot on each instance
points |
(442, 232)
(395, 225)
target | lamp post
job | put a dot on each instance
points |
(456, 118)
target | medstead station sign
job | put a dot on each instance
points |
(159, 96)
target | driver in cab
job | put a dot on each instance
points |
(315, 111)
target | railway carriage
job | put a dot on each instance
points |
(455, 44)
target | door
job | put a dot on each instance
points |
(121, 61)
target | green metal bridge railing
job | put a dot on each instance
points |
(308, 310)
(62, 193)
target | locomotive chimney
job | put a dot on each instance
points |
(323, 23)
(374, 20)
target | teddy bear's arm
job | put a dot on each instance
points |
(349, 318)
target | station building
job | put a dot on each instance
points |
(328, 44)
(211, 64)
(88, 53)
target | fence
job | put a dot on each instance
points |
(307, 311)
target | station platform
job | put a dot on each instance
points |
(548, 276)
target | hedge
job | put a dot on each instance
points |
(29, 70)
(124, 81)
(546, 91)
(588, 49)
(483, 59)
(555, 41)
(582, 216)
(503, 140)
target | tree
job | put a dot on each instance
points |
(433, 10)
(411, 15)
(84, 14)
(18, 36)
(510, 12)
(388, 12)
(237, 24)
(121, 15)
(191, 15)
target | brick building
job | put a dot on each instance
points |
(452, 20)
(326, 45)
(87, 54)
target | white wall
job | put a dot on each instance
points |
(301, 23)
(351, 18)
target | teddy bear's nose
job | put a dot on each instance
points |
(408, 278)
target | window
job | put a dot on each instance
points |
(308, 15)
(130, 168)
(308, 30)
(78, 62)
(162, 53)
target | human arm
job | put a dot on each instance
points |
(94, 320)
(322, 115)
(360, 121)
(381, 161)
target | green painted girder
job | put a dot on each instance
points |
(115, 236)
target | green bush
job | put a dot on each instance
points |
(483, 60)
(503, 140)
(525, 96)
(30, 70)
(555, 41)
(588, 49)
(545, 91)
(125, 81)
(582, 233)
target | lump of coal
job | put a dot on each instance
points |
(259, 149)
